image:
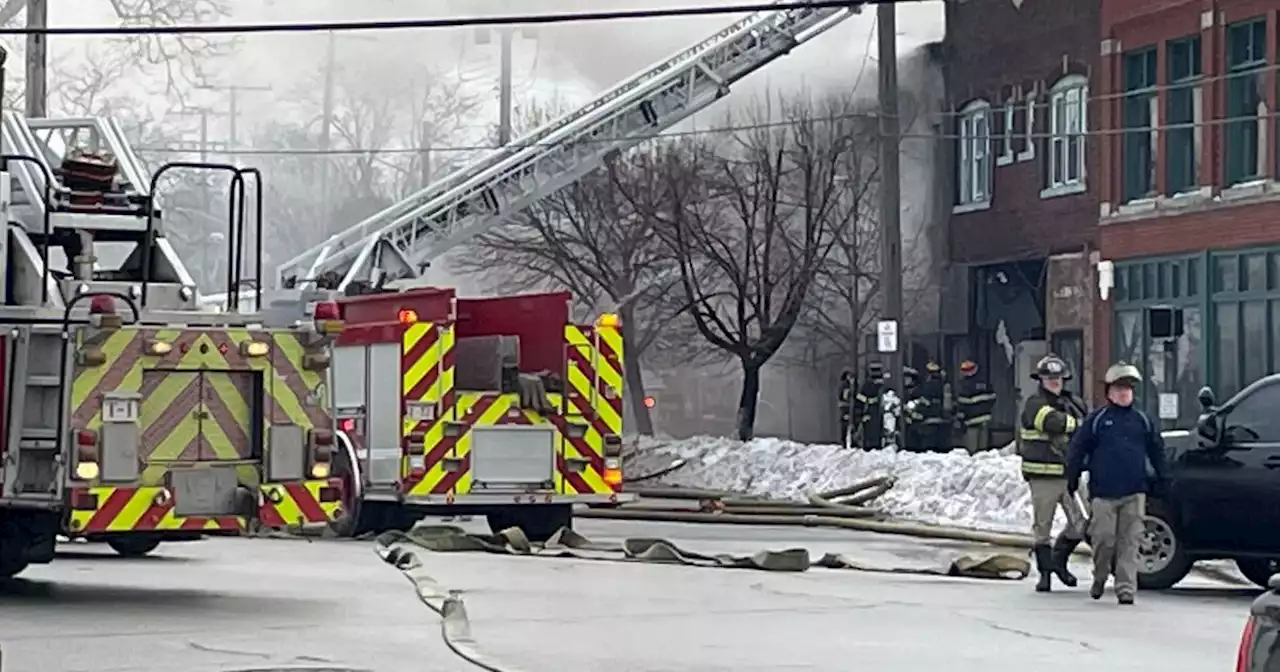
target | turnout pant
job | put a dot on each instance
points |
(1115, 533)
(1047, 494)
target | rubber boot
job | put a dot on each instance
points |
(1044, 565)
(1062, 550)
(1124, 599)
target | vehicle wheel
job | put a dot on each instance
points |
(1258, 570)
(11, 567)
(538, 522)
(133, 547)
(1162, 561)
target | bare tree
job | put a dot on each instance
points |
(316, 192)
(751, 219)
(177, 60)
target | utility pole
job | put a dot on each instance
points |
(504, 85)
(326, 125)
(37, 90)
(233, 109)
(890, 187)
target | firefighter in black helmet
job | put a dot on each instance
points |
(868, 417)
(844, 405)
(909, 433)
(935, 425)
(1048, 419)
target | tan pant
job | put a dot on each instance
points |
(1115, 533)
(1047, 494)
(975, 439)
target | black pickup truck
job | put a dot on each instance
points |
(1223, 497)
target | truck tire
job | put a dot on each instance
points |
(1258, 570)
(133, 547)
(11, 567)
(538, 521)
(1162, 560)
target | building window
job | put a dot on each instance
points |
(974, 169)
(1246, 104)
(1067, 101)
(1008, 116)
(1140, 118)
(1029, 133)
(1184, 115)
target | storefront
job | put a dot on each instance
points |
(1188, 320)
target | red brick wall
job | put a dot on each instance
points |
(1213, 227)
(991, 47)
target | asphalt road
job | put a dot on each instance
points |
(257, 604)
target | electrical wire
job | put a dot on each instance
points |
(670, 135)
(467, 22)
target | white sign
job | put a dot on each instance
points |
(887, 331)
(1169, 405)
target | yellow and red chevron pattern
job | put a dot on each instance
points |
(593, 399)
(593, 387)
(150, 509)
(198, 394)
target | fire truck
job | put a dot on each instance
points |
(494, 406)
(461, 441)
(127, 414)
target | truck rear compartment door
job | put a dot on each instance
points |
(513, 457)
(201, 416)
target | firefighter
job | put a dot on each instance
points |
(934, 397)
(844, 404)
(1048, 419)
(868, 417)
(911, 411)
(974, 404)
(1116, 442)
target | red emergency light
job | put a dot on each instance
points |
(102, 304)
(347, 424)
(327, 310)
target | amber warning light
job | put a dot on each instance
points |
(407, 316)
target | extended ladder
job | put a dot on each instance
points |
(399, 241)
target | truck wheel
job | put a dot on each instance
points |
(133, 547)
(11, 567)
(538, 521)
(1258, 570)
(1162, 560)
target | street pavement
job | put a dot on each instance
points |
(258, 604)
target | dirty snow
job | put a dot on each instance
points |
(984, 491)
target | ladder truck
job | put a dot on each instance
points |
(128, 415)
(394, 247)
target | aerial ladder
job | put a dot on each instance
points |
(127, 415)
(401, 240)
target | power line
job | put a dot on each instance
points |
(671, 135)
(467, 22)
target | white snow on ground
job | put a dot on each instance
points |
(984, 491)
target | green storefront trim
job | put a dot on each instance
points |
(1230, 300)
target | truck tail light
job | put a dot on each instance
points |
(613, 471)
(1245, 650)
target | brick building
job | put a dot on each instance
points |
(1190, 214)
(1023, 228)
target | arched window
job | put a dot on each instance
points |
(1068, 101)
(973, 175)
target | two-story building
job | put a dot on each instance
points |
(1190, 213)
(1023, 228)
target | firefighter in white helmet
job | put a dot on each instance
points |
(1114, 444)
(1048, 419)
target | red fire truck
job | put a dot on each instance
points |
(496, 406)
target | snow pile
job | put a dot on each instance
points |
(984, 491)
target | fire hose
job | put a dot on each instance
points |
(842, 508)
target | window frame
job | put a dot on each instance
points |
(1009, 114)
(969, 165)
(1138, 142)
(1176, 86)
(1237, 128)
(1028, 152)
(1058, 179)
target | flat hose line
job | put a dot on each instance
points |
(404, 551)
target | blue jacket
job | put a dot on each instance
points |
(1114, 443)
